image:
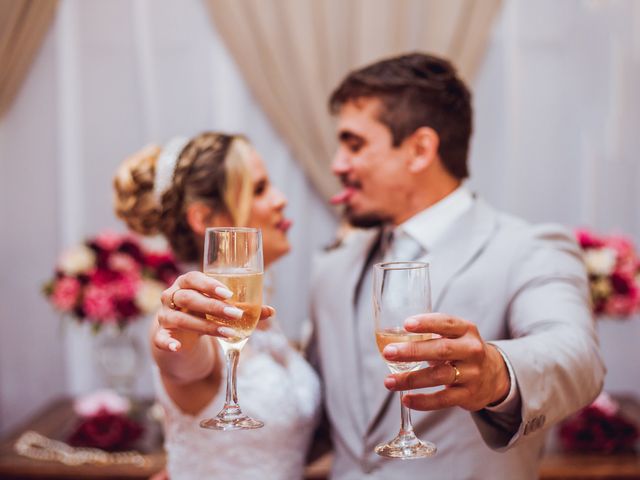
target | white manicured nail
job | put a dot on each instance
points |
(233, 312)
(223, 292)
(228, 332)
(173, 346)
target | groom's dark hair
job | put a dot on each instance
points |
(416, 90)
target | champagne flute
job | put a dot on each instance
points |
(400, 290)
(233, 256)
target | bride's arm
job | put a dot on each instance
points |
(191, 376)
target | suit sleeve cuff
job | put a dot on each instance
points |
(510, 404)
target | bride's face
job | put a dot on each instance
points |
(267, 212)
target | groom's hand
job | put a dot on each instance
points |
(473, 372)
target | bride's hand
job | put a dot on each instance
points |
(181, 319)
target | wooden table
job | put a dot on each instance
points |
(58, 419)
(561, 466)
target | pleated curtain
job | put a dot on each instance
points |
(292, 53)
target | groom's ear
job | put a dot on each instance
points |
(424, 144)
(200, 216)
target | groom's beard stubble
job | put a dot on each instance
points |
(365, 220)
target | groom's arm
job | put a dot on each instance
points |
(553, 352)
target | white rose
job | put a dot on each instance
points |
(148, 296)
(600, 261)
(77, 260)
(154, 244)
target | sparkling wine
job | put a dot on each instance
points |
(399, 335)
(247, 296)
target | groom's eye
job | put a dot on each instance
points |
(354, 146)
(353, 142)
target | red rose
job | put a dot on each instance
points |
(106, 431)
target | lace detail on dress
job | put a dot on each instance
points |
(275, 385)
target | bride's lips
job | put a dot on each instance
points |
(343, 197)
(284, 225)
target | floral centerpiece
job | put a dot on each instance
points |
(614, 274)
(599, 428)
(613, 267)
(110, 279)
(105, 422)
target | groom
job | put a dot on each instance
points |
(518, 351)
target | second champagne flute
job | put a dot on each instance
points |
(400, 290)
(233, 256)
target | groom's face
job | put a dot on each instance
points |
(372, 171)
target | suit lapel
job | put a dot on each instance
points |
(459, 247)
(454, 253)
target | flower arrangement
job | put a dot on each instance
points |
(599, 428)
(110, 279)
(614, 274)
(104, 422)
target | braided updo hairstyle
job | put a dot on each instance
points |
(212, 168)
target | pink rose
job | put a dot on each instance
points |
(124, 287)
(109, 240)
(588, 240)
(121, 262)
(65, 293)
(622, 245)
(92, 403)
(99, 304)
(621, 305)
(606, 404)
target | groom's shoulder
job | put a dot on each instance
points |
(522, 237)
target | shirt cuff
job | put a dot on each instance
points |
(510, 403)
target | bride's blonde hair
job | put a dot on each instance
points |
(212, 168)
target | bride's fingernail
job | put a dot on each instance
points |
(173, 346)
(223, 292)
(228, 332)
(233, 312)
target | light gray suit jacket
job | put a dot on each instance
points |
(525, 287)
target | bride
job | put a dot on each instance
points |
(215, 179)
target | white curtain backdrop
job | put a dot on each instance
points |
(557, 120)
(557, 115)
(111, 77)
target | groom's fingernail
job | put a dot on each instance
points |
(390, 351)
(233, 312)
(389, 382)
(411, 323)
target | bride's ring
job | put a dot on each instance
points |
(172, 304)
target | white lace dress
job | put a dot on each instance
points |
(275, 385)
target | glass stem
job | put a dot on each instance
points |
(232, 364)
(405, 414)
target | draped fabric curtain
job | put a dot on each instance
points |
(23, 25)
(292, 53)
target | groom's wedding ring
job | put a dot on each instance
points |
(456, 373)
(172, 304)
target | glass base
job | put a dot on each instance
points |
(406, 447)
(231, 419)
